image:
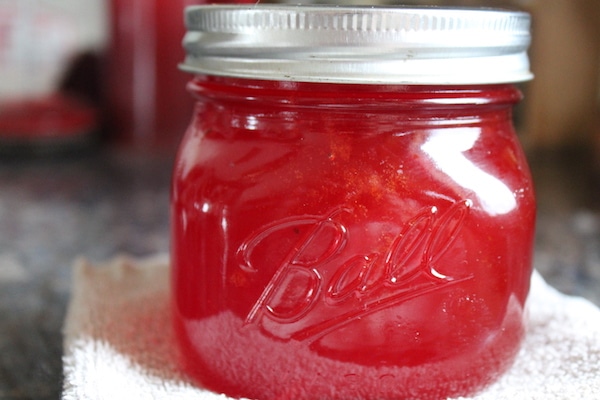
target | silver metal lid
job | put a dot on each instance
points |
(399, 45)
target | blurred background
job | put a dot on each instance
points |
(92, 107)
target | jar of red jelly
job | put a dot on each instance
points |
(352, 213)
(147, 106)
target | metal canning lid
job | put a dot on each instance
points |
(349, 44)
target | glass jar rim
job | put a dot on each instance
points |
(358, 44)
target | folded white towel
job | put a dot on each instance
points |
(119, 343)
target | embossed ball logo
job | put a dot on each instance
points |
(321, 286)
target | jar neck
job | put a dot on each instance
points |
(360, 96)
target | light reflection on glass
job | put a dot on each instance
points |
(205, 207)
(251, 123)
(447, 151)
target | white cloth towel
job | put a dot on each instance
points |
(118, 342)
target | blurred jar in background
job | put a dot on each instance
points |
(48, 66)
(148, 107)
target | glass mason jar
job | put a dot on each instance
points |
(352, 213)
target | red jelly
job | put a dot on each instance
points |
(338, 238)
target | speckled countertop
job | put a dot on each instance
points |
(105, 203)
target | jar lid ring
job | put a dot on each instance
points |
(353, 44)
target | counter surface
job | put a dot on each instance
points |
(105, 203)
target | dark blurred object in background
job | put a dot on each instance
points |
(47, 50)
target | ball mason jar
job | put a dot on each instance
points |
(352, 214)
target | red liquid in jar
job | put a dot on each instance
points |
(339, 241)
